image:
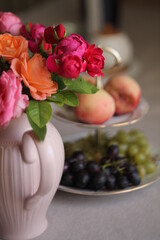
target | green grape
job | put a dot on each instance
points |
(140, 158)
(134, 135)
(150, 167)
(132, 150)
(142, 142)
(149, 159)
(134, 131)
(88, 156)
(68, 149)
(112, 141)
(140, 135)
(122, 137)
(141, 171)
(123, 148)
(97, 156)
(145, 150)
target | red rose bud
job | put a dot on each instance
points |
(25, 30)
(33, 47)
(59, 32)
(54, 34)
(45, 48)
(48, 35)
(28, 27)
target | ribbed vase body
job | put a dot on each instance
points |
(27, 184)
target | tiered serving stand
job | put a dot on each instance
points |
(67, 116)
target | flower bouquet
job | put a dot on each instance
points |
(40, 65)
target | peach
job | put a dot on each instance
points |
(95, 108)
(125, 91)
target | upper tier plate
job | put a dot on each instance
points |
(67, 115)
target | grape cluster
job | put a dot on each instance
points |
(117, 163)
(135, 146)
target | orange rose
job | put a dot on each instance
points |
(12, 46)
(35, 76)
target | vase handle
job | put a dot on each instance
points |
(44, 152)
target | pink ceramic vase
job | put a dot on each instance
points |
(30, 172)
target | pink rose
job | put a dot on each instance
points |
(54, 34)
(12, 101)
(74, 44)
(95, 61)
(9, 22)
(70, 66)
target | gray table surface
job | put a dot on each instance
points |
(129, 216)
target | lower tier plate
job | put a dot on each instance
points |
(146, 181)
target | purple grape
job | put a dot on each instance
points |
(98, 181)
(67, 180)
(92, 167)
(112, 151)
(76, 166)
(134, 178)
(82, 179)
(122, 181)
(111, 182)
(79, 155)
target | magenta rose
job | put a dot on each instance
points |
(95, 61)
(70, 66)
(52, 64)
(12, 101)
(74, 44)
(9, 22)
(34, 34)
(33, 46)
(54, 34)
(37, 31)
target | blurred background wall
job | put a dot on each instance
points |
(19, 5)
(138, 19)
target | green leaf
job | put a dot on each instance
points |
(68, 98)
(40, 132)
(64, 97)
(67, 81)
(60, 102)
(58, 80)
(79, 85)
(39, 112)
